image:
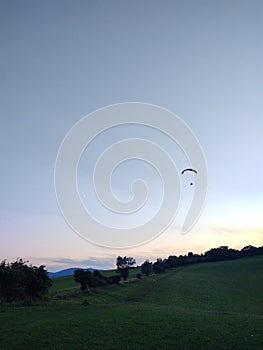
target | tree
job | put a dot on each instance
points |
(123, 266)
(38, 281)
(98, 279)
(159, 266)
(114, 279)
(88, 279)
(146, 268)
(84, 278)
(172, 261)
(222, 253)
(19, 281)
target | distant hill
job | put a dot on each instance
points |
(66, 272)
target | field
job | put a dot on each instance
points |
(203, 306)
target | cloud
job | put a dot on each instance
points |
(57, 263)
(91, 262)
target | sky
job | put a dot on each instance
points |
(61, 60)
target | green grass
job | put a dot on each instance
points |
(63, 285)
(224, 286)
(204, 306)
(132, 273)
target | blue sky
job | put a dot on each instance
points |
(61, 60)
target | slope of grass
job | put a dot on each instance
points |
(63, 285)
(205, 306)
(234, 286)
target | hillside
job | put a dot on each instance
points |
(203, 306)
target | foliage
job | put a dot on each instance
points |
(19, 281)
(159, 265)
(221, 253)
(114, 279)
(85, 302)
(98, 279)
(88, 279)
(84, 278)
(123, 265)
(146, 268)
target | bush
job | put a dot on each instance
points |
(87, 279)
(114, 279)
(27, 302)
(85, 302)
(19, 281)
(146, 268)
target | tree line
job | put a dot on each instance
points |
(20, 281)
(125, 264)
(215, 254)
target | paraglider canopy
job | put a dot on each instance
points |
(189, 169)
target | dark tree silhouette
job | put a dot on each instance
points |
(114, 279)
(146, 268)
(84, 278)
(19, 281)
(123, 266)
(159, 265)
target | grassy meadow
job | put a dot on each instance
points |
(203, 306)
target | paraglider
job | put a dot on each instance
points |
(189, 169)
